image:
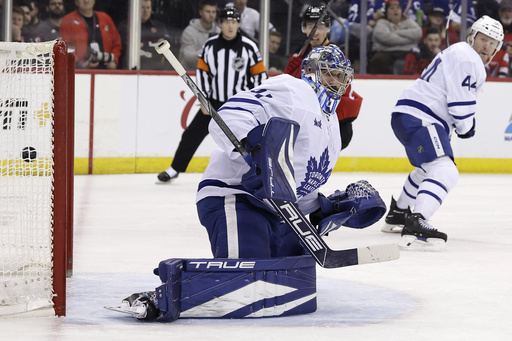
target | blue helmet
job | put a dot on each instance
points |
(329, 72)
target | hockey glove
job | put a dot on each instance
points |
(359, 206)
(271, 175)
(470, 133)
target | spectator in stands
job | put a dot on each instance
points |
(17, 24)
(414, 10)
(508, 45)
(152, 31)
(197, 32)
(341, 8)
(29, 33)
(276, 62)
(49, 28)
(455, 18)
(419, 57)
(500, 64)
(505, 17)
(436, 18)
(249, 19)
(487, 7)
(96, 39)
(393, 37)
(34, 13)
(374, 12)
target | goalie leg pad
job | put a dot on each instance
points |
(236, 288)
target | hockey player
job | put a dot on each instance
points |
(441, 101)
(350, 102)
(260, 268)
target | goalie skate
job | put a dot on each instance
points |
(418, 234)
(125, 308)
(139, 305)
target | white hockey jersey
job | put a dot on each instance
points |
(446, 91)
(317, 147)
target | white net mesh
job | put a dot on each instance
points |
(26, 176)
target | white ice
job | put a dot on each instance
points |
(126, 224)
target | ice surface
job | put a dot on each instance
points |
(125, 225)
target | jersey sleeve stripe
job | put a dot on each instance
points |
(463, 117)
(245, 100)
(218, 183)
(457, 104)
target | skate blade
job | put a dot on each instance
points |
(412, 243)
(126, 309)
(392, 228)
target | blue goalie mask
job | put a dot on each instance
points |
(329, 73)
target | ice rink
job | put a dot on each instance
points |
(126, 224)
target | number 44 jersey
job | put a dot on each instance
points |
(446, 92)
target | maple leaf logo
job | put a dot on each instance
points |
(316, 175)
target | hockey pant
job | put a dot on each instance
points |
(238, 228)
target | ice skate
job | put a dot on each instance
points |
(165, 178)
(395, 219)
(418, 234)
(139, 305)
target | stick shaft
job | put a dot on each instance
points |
(313, 31)
(163, 48)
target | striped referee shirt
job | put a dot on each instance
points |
(226, 67)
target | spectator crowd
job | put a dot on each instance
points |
(402, 36)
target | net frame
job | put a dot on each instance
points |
(61, 114)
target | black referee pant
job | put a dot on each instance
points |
(191, 138)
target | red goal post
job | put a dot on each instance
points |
(36, 176)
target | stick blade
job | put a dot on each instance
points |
(378, 253)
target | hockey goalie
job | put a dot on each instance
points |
(261, 266)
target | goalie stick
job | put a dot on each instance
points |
(306, 232)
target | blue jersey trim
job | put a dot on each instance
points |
(463, 117)
(461, 104)
(244, 100)
(425, 109)
(217, 183)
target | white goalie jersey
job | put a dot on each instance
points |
(317, 147)
(446, 92)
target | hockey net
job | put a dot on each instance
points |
(36, 176)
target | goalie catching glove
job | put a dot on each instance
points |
(359, 206)
(271, 148)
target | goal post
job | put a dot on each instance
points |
(36, 176)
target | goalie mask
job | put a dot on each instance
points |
(491, 28)
(329, 73)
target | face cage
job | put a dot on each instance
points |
(340, 83)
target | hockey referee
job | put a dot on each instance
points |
(228, 63)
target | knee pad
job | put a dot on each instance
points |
(442, 169)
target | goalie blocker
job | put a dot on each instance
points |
(231, 288)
